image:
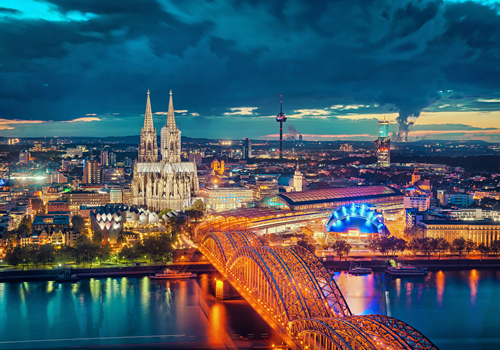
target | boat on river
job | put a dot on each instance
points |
(355, 269)
(173, 274)
(407, 270)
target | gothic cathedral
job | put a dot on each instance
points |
(165, 184)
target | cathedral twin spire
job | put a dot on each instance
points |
(148, 116)
(170, 114)
(148, 146)
(170, 137)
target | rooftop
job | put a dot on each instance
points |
(461, 222)
(253, 213)
(51, 219)
(338, 194)
(82, 192)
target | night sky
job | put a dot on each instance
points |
(83, 67)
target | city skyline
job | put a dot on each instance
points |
(83, 69)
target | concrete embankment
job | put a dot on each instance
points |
(379, 265)
(375, 265)
(51, 274)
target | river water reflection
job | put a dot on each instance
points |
(455, 309)
(113, 311)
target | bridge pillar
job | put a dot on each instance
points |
(224, 290)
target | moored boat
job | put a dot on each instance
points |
(406, 270)
(173, 274)
(357, 269)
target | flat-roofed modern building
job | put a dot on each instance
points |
(50, 222)
(481, 231)
(57, 206)
(227, 198)
(79, 198)
(115, 195)
(459, 199)
(420, 202)
(91, 174)
(383, 197)
(475, 214)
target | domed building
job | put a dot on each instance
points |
(355, 222)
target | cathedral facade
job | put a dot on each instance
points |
(167, 183)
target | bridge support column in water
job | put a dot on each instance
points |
(224, 290)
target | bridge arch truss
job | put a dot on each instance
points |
(293, 286)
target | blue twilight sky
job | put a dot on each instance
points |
(82, 67)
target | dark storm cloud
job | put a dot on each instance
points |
(232, 54)
(9, 11)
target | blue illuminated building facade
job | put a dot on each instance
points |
(355, 222)
(383, 129)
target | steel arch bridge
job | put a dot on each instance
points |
(298, 297)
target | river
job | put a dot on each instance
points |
(455, 309)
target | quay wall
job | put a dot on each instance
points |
(50, 274)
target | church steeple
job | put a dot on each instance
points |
(170, 137)
(148, 115)
(170, 114)
(297, 180)
(148, 146)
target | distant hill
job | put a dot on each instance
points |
(134, 139)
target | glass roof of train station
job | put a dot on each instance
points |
(292, 199)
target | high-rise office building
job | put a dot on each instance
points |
(91, 174)
(104, 157)
(383, 145)
(247, 149)
(112, 159)
(24, 157)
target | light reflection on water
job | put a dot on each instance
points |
(440, 283)
(454, 309)
(126, 309)
(473, 282)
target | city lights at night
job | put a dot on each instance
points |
(369, 220)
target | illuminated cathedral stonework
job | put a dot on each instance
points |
(165, 184)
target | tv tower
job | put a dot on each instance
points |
(281, 119)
